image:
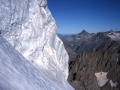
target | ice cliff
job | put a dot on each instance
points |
(30, 28)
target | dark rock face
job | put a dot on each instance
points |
(72, 55)
(106, 59)
(95, 53)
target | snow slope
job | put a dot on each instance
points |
(30, 28)
(16, 73)
(114, 35)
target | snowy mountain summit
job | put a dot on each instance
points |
(114, 35)
(30, 28)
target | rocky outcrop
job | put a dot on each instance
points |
(99, 70)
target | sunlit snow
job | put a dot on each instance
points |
(101, 78)
(16, 73)
(113, 84)
(114, 36)
(30, 28)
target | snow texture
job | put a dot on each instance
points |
(114, 36)
(16, 73)
(30, 28)
(101, 78)
(113, 84)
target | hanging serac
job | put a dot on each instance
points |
(29, 27)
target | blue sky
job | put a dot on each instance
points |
(72, 16)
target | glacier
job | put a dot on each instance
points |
(30, 28)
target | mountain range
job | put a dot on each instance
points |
(85, 41)
(94, 60)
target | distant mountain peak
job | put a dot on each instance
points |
(83, 32)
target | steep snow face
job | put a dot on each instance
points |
(29, 27)
(16, 73)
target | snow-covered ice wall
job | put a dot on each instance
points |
(29, 27)
(16, 73)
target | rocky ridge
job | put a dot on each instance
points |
(85, 41)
